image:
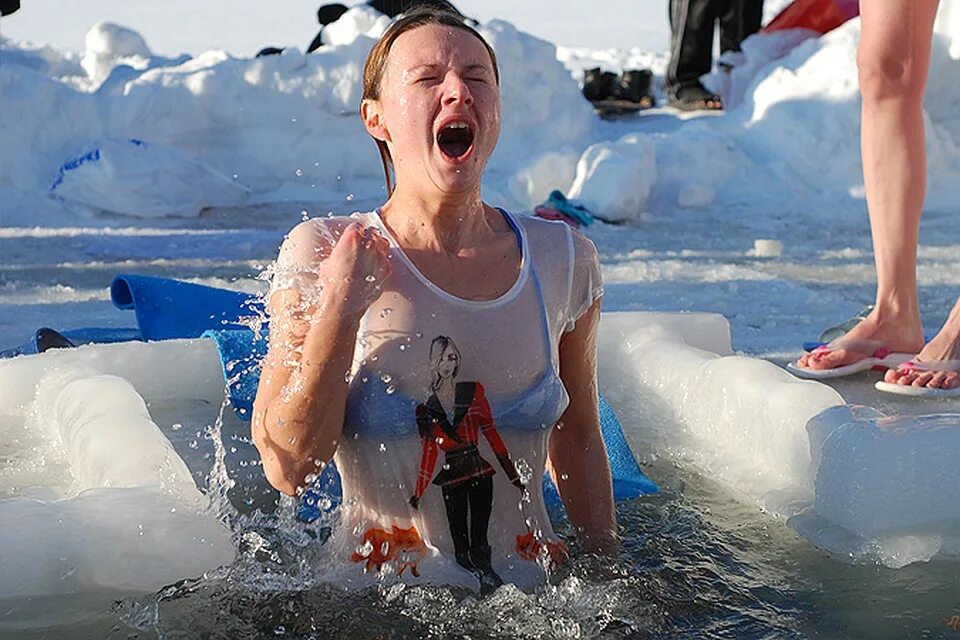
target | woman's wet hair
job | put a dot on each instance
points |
(376, 62)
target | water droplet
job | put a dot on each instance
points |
(176, 426)
(193, 444)
(383, 446)
(403, 347)
(350, 197)
(304, 215)
(385, 378)
(299, 172)
(371, 278)
(390, 390)
(418, 334)
(564, 476)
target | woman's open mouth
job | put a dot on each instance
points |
(455, 140)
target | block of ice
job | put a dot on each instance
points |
(887, 482)
(137, 539)
(172, 369)
(739, 420)
(614, 179)
(108, 434)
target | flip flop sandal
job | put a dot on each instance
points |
(881, 358)
(695, 98)
(922, 392)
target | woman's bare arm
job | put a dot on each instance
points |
(301, 401)
(577, 456)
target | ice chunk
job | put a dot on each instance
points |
(110, 439)
(887, 481)
(136, 539)
(766, 248)
(741, 421)
(614, 179)
(176, 369)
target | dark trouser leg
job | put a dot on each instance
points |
(455, 500)
(739, 19)
(481, 505)
(691, 55)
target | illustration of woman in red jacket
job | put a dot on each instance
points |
(466, 479)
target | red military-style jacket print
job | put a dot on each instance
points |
(459, 440)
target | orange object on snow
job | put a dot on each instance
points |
(817, 15)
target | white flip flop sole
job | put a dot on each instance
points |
(891, 361)
(916, 392)
(923, 392)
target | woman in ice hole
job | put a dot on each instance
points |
(357, 302)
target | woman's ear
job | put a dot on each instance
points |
(373, 120)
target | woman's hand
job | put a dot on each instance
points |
(356, 269)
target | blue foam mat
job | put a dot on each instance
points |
(168, 309)
(242, 350)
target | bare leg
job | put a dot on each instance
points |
(945, 346)
(894, 60)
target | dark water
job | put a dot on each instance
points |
(694, 563)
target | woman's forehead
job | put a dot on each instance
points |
(438, 45)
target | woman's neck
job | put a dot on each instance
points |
(449, 223)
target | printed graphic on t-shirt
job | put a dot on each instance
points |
(465, 479)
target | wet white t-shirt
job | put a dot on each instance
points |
(450, 407)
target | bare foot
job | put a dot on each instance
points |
(873, 332)
(944, 348)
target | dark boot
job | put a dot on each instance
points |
(634, 86)
(598, 84)
(489, 580)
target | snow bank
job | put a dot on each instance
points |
(284, 126)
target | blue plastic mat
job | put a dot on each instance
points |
(242, 350)
(168, 309)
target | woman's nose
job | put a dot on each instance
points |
(456, 90)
